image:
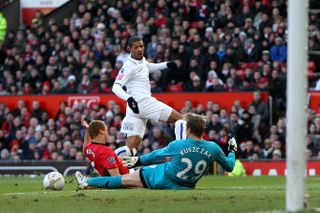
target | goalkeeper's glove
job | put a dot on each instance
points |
(131, 162)
(172, 65)
(133, 105)
(232, 147)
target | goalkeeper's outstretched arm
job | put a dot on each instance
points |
(155, 156)
(150, 158)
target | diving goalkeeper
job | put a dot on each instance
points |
(190, 160)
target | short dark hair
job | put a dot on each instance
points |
(94, 128)
(196, 124)
(133, 39)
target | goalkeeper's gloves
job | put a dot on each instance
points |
(232, 147)
(133, 105)
(172, 65)
(131, 162)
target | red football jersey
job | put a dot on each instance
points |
(104, 158)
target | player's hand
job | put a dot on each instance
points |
(84, 123)
(232, 147)
(172, 65)
(133, 105)
(130, 162)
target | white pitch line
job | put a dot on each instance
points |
(240, 187)
(58, 192)
(28, 193)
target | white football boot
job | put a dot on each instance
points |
(82, 180)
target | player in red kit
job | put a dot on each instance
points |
(95, 147)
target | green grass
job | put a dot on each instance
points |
(213, 194)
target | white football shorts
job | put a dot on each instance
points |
(149, 108)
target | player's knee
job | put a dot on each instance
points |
(174, 116)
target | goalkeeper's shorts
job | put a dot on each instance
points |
(154, 177)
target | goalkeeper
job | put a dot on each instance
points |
(190, 160)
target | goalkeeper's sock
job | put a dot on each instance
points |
(180, 129)
(110, 182)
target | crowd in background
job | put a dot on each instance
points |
(32, 134)
(218, 45)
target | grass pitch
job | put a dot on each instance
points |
(213, 194)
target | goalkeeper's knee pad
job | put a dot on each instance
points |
(180, 129)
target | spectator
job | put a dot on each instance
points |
(279, 51)
(36, 110)
(267, 151)
(195, 85)
(260, 106)
(4, 155)
(71, 86)
(276, 155)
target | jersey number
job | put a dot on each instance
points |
(198, 170)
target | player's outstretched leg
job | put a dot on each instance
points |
(180, 127)
(111, 182)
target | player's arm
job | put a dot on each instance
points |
(122, 78)
(117, 88)
(161, 66)
(150, 158)
(110, 163)
(87, 138)
(119, 91)
(227, 162)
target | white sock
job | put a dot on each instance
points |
(180, 129)
(123, 151)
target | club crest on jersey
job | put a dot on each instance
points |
(121, 74)
(111, 160)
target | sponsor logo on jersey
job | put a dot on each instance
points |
(121, 74)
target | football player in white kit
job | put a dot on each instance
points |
(141, 106)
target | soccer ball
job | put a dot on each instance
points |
(53, 180)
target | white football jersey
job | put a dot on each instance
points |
(134, 75)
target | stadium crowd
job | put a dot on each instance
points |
(230, 45)
(32, 134)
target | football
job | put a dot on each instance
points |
(53, 180)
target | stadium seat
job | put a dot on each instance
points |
(178, 87)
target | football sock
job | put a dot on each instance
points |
(123, 151)
(180, 129)
(110, 182)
